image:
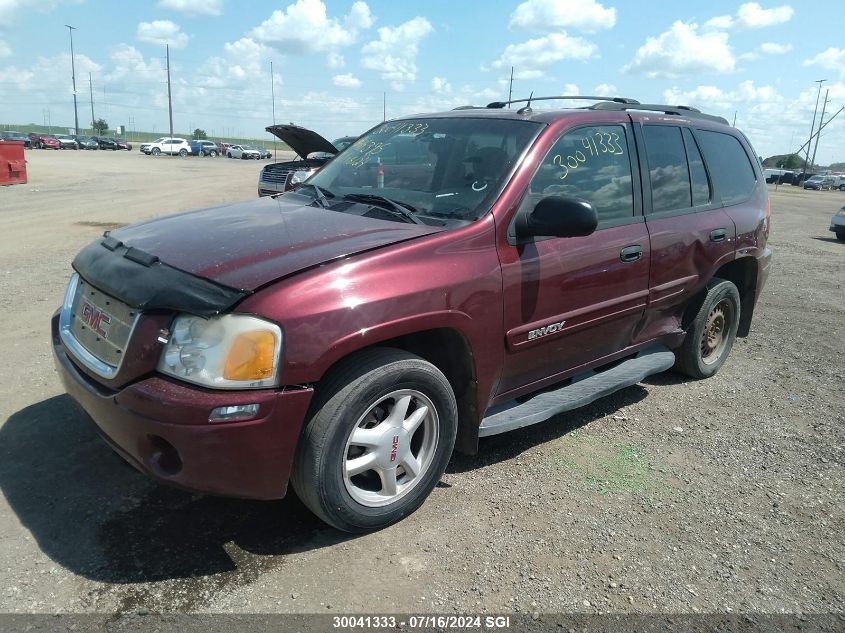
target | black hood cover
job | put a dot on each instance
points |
(301, 140)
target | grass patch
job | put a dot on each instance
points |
(608, 468)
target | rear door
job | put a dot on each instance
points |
(571, 301)
(691, 235)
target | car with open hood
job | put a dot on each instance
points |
(447, 277)
(313, 151)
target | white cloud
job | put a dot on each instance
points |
(441, 85)
(346, 81)
(193, 7)
(773, 48)
(161, 32)
(556, 15)
(832, 59)
(305, 27)
(244, 62)
(5, 51)
(394, 53)
(681, 51)
(530, 59)
(605, 90)
(335, 60)
(752, 16)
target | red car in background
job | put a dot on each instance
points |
(44, 141)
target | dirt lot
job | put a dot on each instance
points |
(671, 496)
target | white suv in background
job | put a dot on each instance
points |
(170, 146)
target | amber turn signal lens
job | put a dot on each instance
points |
(251, 356)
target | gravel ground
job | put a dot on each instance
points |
(673, 496)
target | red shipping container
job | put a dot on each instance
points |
(12, 163)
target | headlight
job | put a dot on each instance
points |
(300, 176)
(841, 212)
(234, 351)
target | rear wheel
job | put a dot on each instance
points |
(380, 436)
(840, 236)
(183, 152)
(712, 332)
(213, 153)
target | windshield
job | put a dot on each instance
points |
(441, 168)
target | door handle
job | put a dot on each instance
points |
(631, 253)
(718, 235)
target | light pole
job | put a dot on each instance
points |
(70, 30)
(813, 127)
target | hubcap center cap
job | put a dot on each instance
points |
(394, 447)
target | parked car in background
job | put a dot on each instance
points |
(204, 148)
(104, 142)
(243, 151)
(819, 183)
(145, 147)
(123, 144)
(168, 145)
(314, 152)
(837, 224)
(67, 141)
(11, 135)
(49, 141)
(86, 142)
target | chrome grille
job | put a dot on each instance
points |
(96, 327)
(278, 176)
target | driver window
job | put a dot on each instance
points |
(590, 163)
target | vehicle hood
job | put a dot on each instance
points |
(250, 244)
(302, 140)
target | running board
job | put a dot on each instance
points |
(584, 389)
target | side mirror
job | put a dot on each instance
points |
(558, 216)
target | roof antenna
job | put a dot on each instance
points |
(527, 108)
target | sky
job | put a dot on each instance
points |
(340, 66)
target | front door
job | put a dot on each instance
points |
(571, 301)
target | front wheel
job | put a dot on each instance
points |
(155, 151)
(380, 436)
(840, 236)
(712, 333)
(213, 153)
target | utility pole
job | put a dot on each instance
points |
(169, 98)
(510, 90)
(273, 100)
(91, 90)
(812, 129)
(70, 30)
(735, 118)
(384, 106)
(821, 120)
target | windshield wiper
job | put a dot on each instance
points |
(401, 209)
(319, 194)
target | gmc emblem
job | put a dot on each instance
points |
(95, 318)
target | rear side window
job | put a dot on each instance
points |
(730, 167)
(667, 166)
(698, 175)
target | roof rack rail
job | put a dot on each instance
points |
(621, 100)
(469, 107)
(678, 110)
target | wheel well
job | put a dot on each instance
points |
(743, 273)
(450, 352)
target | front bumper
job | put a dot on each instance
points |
(837, 224)
(161, 427)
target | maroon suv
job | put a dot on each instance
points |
(444, 278)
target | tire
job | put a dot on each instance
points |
(358, 396)
(712, 333)
(183, 152)
(155, 151)
(840, 236)
(228, 154)
(213, 153)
